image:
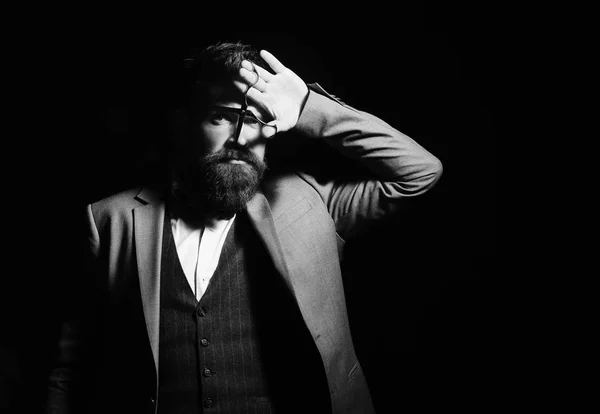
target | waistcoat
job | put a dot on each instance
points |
(244, 346)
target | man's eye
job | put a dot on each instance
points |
(220, 118)
(250, 121)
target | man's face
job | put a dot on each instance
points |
(222, 174)
(215, 129)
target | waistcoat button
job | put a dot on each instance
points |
(208, 403)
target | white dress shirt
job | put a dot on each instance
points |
(199, 250)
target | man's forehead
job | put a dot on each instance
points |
(229, 92)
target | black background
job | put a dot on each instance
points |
(424, 298)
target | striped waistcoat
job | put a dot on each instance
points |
(244, 346)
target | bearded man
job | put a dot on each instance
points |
(222, 291)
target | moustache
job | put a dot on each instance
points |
(229, 154)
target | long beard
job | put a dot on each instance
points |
(212, 186)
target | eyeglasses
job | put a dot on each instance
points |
(236, 118)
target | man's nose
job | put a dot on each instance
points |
(247, 136)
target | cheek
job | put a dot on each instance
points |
(208, 138)
(259, 151)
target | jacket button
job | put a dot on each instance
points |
(208, 403)
(207, 372)
(204, 342)
(202, 312)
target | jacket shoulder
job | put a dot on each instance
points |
(285, 190)
(116, 200)
(124, 201)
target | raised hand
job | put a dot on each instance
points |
(282, 94)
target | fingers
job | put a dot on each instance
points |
(249, 70)
(263, 73)
(261, 85)
(241, 85)
(258, 97)
(273, 62)
(248, 76)
(252, 79)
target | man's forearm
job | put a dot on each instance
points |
(388, 153)
(399, 167)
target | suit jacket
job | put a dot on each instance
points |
(303, 220)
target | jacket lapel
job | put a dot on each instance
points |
(261, 218)
(148, 231)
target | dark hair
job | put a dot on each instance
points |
(215, 64)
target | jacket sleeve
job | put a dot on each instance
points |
(69, 374)
(398, 166)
